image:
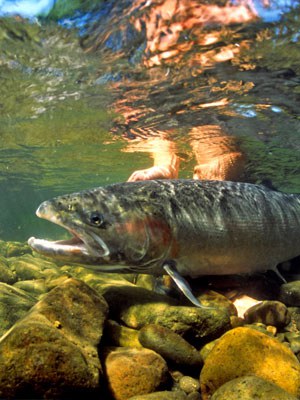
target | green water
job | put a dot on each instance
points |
(61, 131)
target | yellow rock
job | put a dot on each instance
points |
(121, 335)
(244, 351)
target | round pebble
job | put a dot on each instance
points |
(189, 384)
(194, 396)
(269, 313)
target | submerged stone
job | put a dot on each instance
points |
(6, 274)
(136, 307)
(161, 396)
(171, 346)
(12, 249)
(121, 336)
(295, 319)
(244, 351)
(52, 351)
(269, 313)
(34, 286)
(28, 267)
(189, 384)
(132, 372)
(294, 339)
(290, 294)
(14, 304)
(250, 388)
(214, 299)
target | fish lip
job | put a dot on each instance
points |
(73, 245)
(78, 243)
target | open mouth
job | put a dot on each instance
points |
(86, 244)
(91, 246)
(70, 246)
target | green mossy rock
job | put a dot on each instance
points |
(34, 287)
(250, 388)
(14, 304)
(121, 336)
(171, 346)
(290, 293)
(53, 351)
(28, 267)
(161, 396)
(136, 307)
(6, 274)
(13, 249)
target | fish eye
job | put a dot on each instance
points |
(97, 219)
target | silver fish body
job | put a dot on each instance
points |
(205, 227)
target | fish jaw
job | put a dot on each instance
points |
(78, 249)
(72, 250)
(57, 248)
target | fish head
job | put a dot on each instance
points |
(104, 232)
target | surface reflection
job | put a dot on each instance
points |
(217, 155)
(186, 96)
(190, 94)
(173, 28)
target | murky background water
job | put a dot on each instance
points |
(88, 106)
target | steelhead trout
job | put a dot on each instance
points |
(182, 227)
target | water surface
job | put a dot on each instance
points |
(82, 111)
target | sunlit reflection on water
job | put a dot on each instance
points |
(212, 93)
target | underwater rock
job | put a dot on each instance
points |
(6, 275)
(34, 286)
(194, 396)
(52, 351)
(52, 282)
(136, 307)
(28, 267)
(207, 348)
(244, 351)
(146, 281)
(14, 304)
(249, 388)
(11, 249)
(132, 372)
(269, 313)
(295, 319)
(214, 299)
(165, 395)
(171, 346)
(99, 281)
(189, 384)
(121, 336)
(294, 340)
(25, 269)
(161, 396)
(269, 330)
(290, 293)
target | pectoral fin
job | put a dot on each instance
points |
(183, 285)
(277, 272)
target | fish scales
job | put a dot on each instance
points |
(225, 227)
(206, 227)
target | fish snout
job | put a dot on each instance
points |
(43, 210)
(48, 211)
